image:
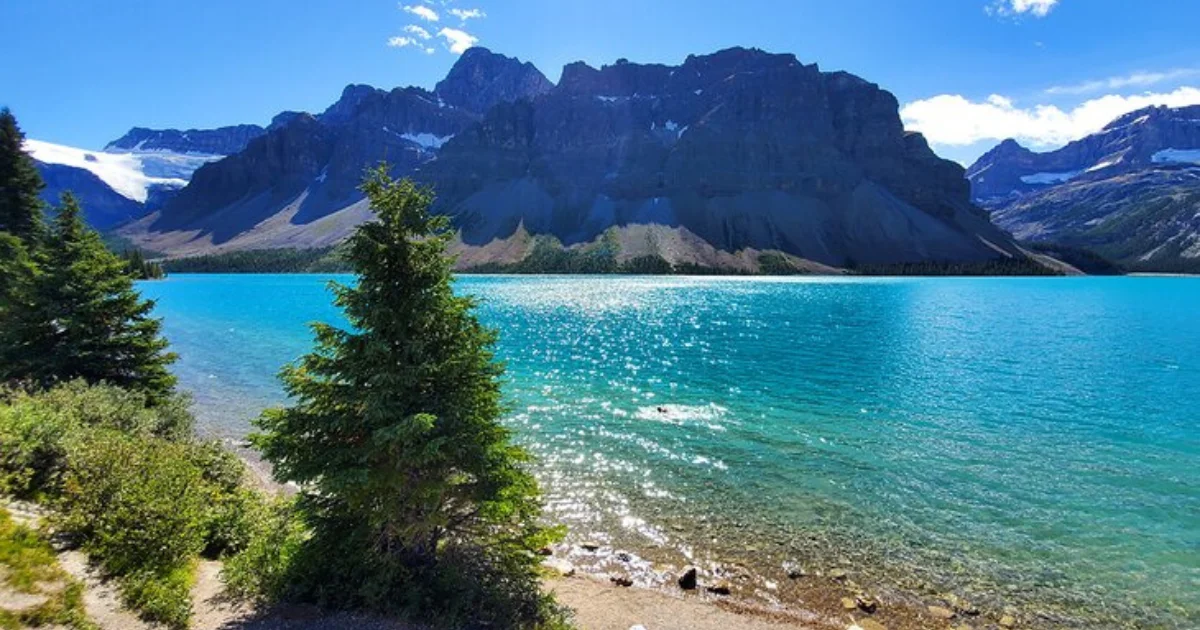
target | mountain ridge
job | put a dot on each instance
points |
(744, 149)
(1130, 192)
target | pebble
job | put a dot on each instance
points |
(545, 551)
(719, 588)
(871, 624)
(1008, 621)
(866, 604)
(620, 579)
(941, 613)
(637, 627)
(589, 545)
(559, 566)
(849, 604)
(838, 574)
(687, 581)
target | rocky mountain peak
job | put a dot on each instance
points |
(220, 141)
(481, 78)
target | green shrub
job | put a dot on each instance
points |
(35, 429)
(263, 568)
(139, 504)
(161, 596)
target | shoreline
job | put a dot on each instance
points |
(726, 592)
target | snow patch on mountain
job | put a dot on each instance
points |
(1185, 156)
(131, 174)
(1050, 178)
(427, 141)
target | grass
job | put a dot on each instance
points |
(29, 566)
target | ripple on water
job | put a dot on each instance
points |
(1022, 442)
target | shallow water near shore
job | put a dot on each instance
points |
(1025, 443)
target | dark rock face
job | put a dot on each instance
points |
(314, 164)
(221, 141)
(743, 148)
(1130, 192)
(481, 79)
(103, 207)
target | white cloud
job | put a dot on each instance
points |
(404, 42)
(457, 41)
(952, 120)
(417, 31)
(422, 11)
(1036, 8)
(1137, 79)
(467, 14)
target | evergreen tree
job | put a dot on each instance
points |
(20, 184)
(395, 436)
(84, 318)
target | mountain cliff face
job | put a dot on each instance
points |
(1130, 192)
(738, 151)
(741, 148)
(220, 141)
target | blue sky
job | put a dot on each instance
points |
(967, 72)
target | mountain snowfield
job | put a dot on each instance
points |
(1130, 192)
(131, 174)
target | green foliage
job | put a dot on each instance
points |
(36, 429)
(776, 264)
(263, 569)
(28, 564)
(20, 184)
(998, 267)
(161, 596)
(139, 504)
(84, 319)
(131, 485)
(319, 260)
(395, 438)
(140, 268)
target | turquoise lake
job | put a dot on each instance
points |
(1025, 443)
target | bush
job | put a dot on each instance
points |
(139, 504)
(262, 569)
(161, 596)
(35, 429)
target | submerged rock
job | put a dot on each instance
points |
(688, 581)
(941, 612)
(621, 579)
(719, 588)
(559, 566)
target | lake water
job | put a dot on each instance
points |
(1025, 443)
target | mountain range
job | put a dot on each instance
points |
(715, 163)
(136, 173)
(1130, 192)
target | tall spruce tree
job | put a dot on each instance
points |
(20, 184)
(395, 435)
(84, 318)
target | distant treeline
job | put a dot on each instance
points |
(140, 268)
(321, 260)
(1003, 267)
(548, 256)
(1085, 260)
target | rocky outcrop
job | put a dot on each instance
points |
(220, 141)
(1130, 192)
(482, 79)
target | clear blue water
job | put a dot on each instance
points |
(1026, 443)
